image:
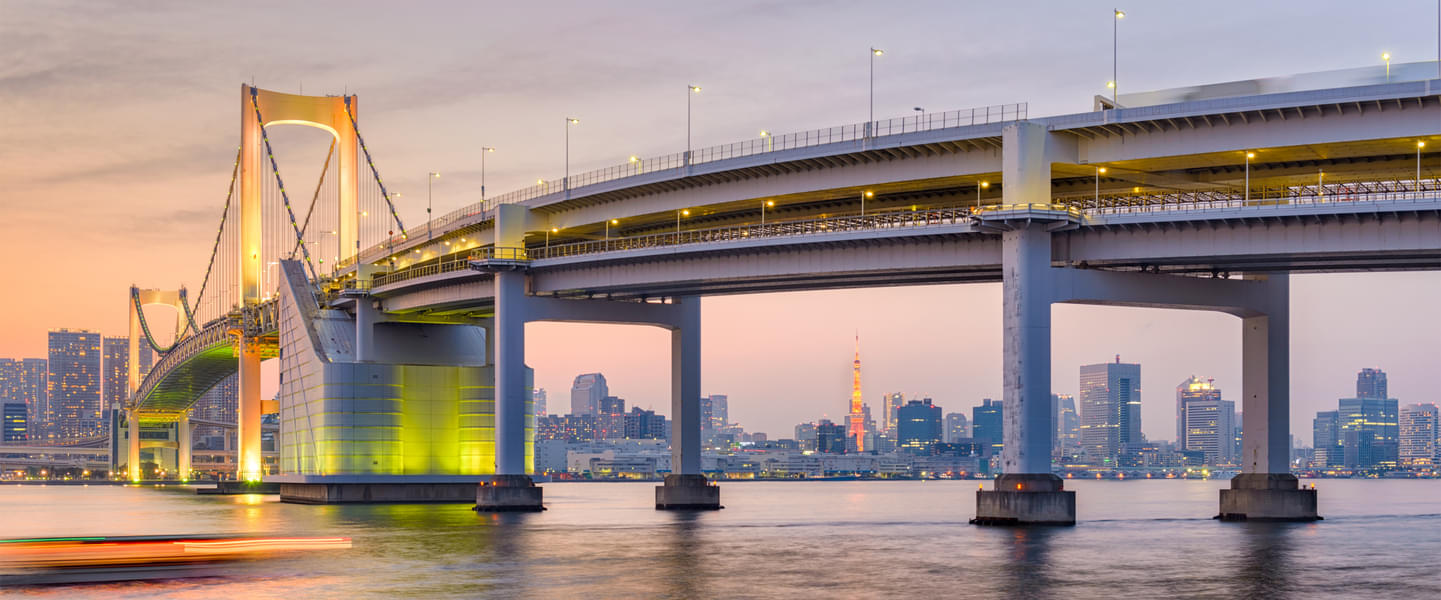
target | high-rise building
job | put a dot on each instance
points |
(643, 424)
(538, 400)
(1326, 440)
(1068, 426)
(806, 436)
(1206, 421)
(1371, 383)
(890, 403)
(612, 405)
(74, 385)
(14, 423)
(988, 427)
(1110, 410)
(24, 381)
(219, 404)
(919, 428)
(586, 393)
(957, 427)
(1370, 436)
(718, 416)
(855, 419)
(1418, 428)
(115, 385)
(830, 437)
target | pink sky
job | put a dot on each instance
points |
(118, 125)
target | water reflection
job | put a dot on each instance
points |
(1028, 571)
(684, 555)
(1262, 567)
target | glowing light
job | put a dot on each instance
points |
(870, 194)
(685, 212)
(695, 88)
(1420, 144)
(1250, 155)
(770, 202)
(877, 51)
(1110, 85)
(555, 230)
(1385, 56)
(1101, 170)
(985, 184)
(1120, 14)
(765, 133)
(615, 222)
(572, 120)
(634, 158)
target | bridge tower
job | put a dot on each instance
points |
(139, 329)
(259, 109)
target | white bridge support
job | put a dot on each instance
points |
(247, 429)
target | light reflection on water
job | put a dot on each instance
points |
(1135, 539)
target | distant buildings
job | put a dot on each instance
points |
(1418, 430)
(1205, 422)
(538, 400)
(1067, 443)
(115, 385)
(586, 394)
(1110, 410)
(25, 382)
(14, 423)
(1371, 383)
(1363, 433)
(988, 427)
(74, 383)
(714, 414)
(1326, 440)
(890, 403)
(919, 426)
(958, 427)
(830, 437)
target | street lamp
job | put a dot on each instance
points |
(1115, 49)
(1249, 156)
(639, 164)
(1099, 172)
(690, 90)
(429, 177)
(1386, 56)
(483, 151)
(866, 194)
(607, 227)
(678, 215)
(1419, 146)
(919, 117)
(565, 184)
(770, 144)
(547, 239)
(982, 186)
(763, 210)
(871, 121)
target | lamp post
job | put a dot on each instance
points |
(1386, 56)
(1320, 184)
(1099, 172)
(1249, 156)
(1115, 50)
(607, 228)
(639, 165)
(864, 195)
(870, 122)
(770, 144)
(1419, 146)
(982, 186)
(483, 151)
(919, 117)
(565, 184)
(763, 210)
(547, 239)
(690, 90)
(678, 215)
(429, 177)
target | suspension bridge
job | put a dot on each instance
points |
(402, 355)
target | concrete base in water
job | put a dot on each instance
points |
(1267, 497)
(228, 488)
(508, 493)
(687, 492)
(1026, 499)
(377, 493)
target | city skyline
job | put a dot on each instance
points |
(170, 159)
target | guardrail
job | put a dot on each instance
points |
(1359, 191)
(637, 165)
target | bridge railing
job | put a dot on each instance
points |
(641, 165)
(1327, 193)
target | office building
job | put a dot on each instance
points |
(538, 399)
(14, 424)
(1370, 436)
(586, 394)
(218, 404)
(1110, 410)
(74, 383)
(115, 385)
(958, 427)
(645, 424)
(918, 429)
(890, 403)
(830, 437)
(1205, 422)
(1418, 427)
(25, 381)
(1371, 383)
(806, 436)
(1068, 427)
(1326, 440)
(988, 427)
(714, 413)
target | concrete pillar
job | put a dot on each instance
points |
(247, 427)
(1266, 490)
(183, 447)
(1026, 345)
(133, 445)
(509, 369)
(685, 487)
(365, 317)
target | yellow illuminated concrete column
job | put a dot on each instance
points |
(182, 447)
(133, 445)
(247, 428)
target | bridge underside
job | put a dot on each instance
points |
(182, 386)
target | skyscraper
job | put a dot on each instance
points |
(988, 427)
(1371, 383)
(538, 400)
(74, 385)
(220, 404)
(919, 428)
(830, 437)
(1326, 439)
(14, 426)
(855, 419)
(25, 381)
(719, 412)
(1110, 410)
(1418, 427)
(957, 427)
(1369, 433)
(1205, 422)
(1068, 426)
(889, 404)
(586, 392)
(115, 385)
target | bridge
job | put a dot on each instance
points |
(1205, 204)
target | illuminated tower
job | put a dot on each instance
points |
(857, 419)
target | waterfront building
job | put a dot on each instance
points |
(1067, 441)
(1206, 422)
(1418, 429)
(74, 383)
(830, 437)
(919, 427)
(714, 414)
(1110, 410)
(586, 393)
(1326, 439)
(1370, 435)
(14, 423)
(988, 427)
(958, 427)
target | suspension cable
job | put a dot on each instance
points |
(214, 250)
(368, 161)
(318, 185)
(275, 168)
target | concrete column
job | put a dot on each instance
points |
(1265, 383)
(1026, 344)
(183, 447)
(247, 427)
(509, 369)
(365, 317)
(133, 445)
(685, 442)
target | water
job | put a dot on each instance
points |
(863, 539)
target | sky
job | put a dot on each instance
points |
(118, 127)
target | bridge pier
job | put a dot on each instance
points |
(685, 488)
(511, 489)
(247, 417)
(182, 447)
(132, 454)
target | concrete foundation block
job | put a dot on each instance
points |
(1026, 499)
(508, 493)
(687, 492)
(1267, 497)
(376, 493)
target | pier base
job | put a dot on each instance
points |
(1026, 499)
(687, 492)
(508, 493)
(1267, 497)
(376, 493)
